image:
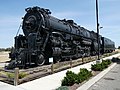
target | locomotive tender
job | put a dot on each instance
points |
(46, 36)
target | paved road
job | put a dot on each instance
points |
(111, 81)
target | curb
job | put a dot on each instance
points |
(92, 81)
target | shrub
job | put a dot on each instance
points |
(84, 74)
(96, 67)
(104, 64)
(101, 66)
(12, 75)
(70, 79)
(115, 59)
(62, 88)
(22, 75)
(109, 61)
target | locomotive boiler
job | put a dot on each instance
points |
(46, 36)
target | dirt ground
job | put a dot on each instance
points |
(4, 56)
(117, 50)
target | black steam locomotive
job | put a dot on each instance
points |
(46, 36)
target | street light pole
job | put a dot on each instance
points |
(97, 29)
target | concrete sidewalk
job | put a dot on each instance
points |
(5, 86)
(50, 82)
(110, 81)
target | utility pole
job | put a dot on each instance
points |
(98, 41)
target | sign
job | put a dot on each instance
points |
(51, 59)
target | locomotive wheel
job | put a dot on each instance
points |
(40, 60)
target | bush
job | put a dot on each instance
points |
(5, 49)
(96, 67)
(101, 66)
(62, 88)
(106, 63)
(84, 74)
(109, 61)
(70, 79)
(115, 59)
(22, 75)
(12, 75)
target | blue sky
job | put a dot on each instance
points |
(81, 11)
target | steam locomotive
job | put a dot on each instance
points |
(46, 36)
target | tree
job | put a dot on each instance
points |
(5, 49)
